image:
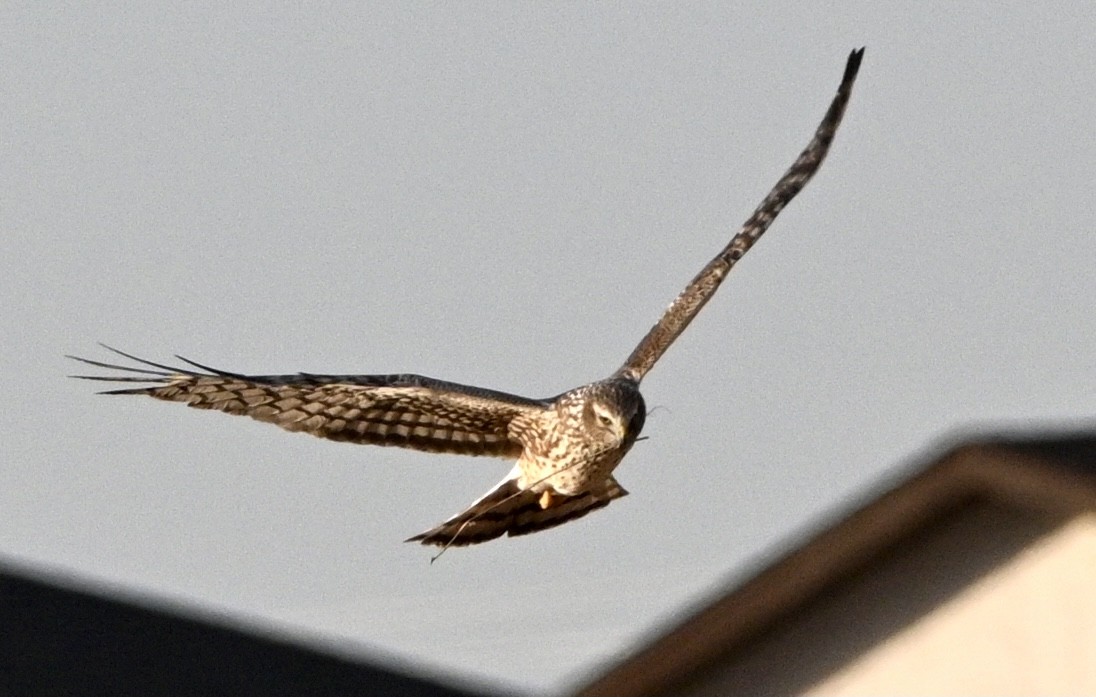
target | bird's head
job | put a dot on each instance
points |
(614, 412)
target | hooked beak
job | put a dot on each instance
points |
(621, 430)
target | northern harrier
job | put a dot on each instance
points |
(566, 447)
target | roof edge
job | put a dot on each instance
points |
(1050, 473)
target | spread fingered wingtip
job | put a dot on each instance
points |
(154, 373)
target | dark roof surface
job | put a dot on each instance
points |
(57, 640)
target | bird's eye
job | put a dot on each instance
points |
(605, 420)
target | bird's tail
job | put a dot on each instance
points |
(509, 510)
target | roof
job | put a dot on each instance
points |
(58, 639)
(1053, 475)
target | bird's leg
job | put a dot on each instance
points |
(548, 499)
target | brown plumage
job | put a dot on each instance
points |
(566, 446)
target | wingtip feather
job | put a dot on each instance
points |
(852, 66)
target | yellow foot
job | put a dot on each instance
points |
(547, 499)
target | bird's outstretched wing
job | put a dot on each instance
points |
(408, 411)
(686, 306)
(509, 510)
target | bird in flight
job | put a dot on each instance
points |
(566, 447)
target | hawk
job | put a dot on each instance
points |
(566, 447)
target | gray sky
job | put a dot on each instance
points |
(510, 195)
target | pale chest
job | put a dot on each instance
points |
(558, 454)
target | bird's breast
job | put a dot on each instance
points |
(568, 471)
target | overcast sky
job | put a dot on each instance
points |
(509, 195)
